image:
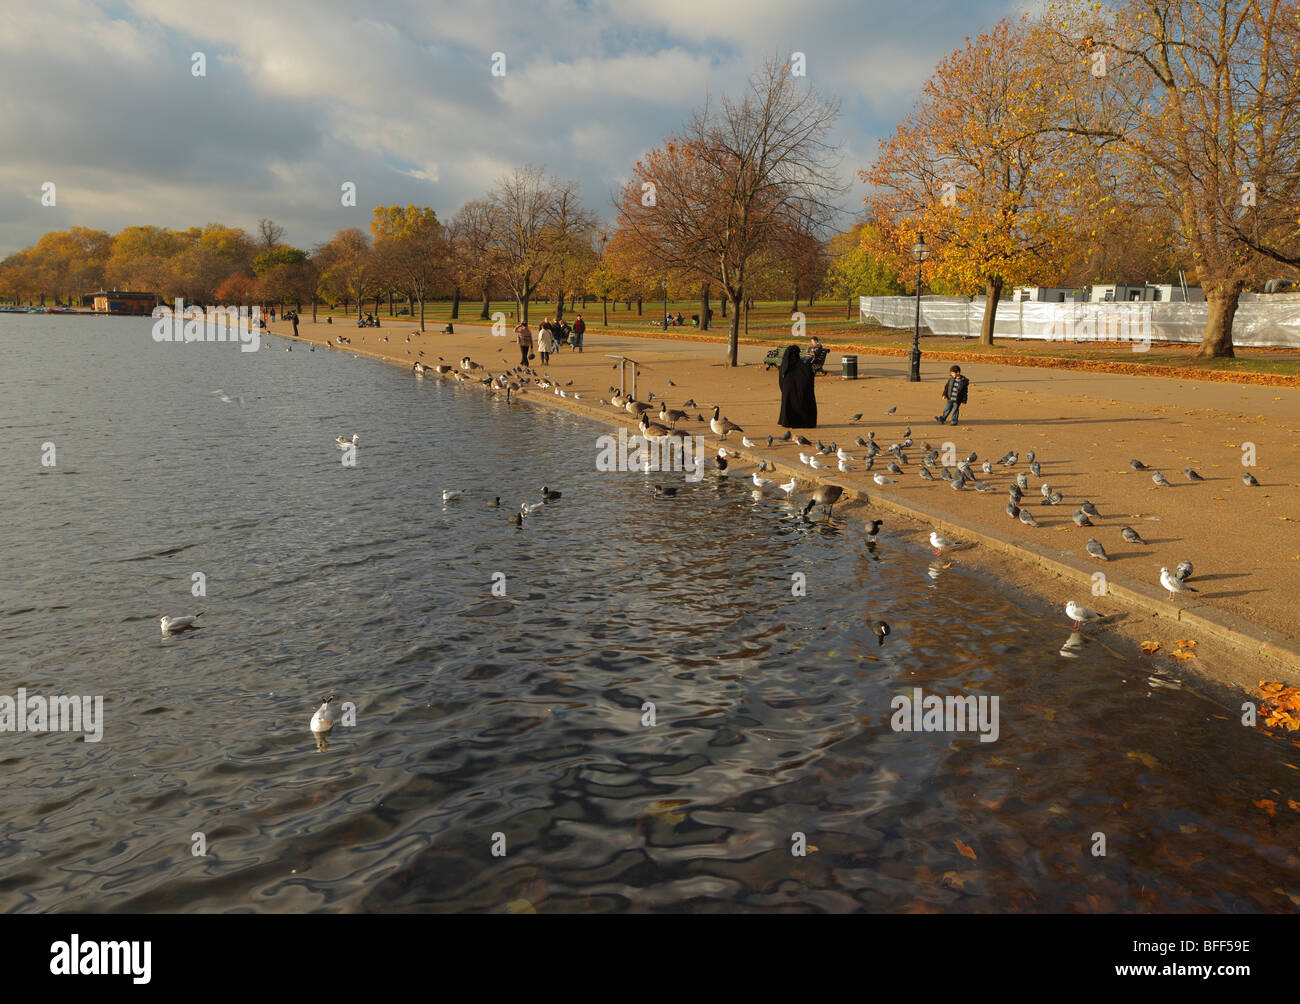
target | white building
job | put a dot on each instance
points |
(1046, 294)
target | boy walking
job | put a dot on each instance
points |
(954, 393)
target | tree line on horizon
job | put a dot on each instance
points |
(1073, 145)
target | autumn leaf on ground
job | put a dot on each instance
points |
(964, 850)
(1185, 643)
(1150, 646)
(1182, 654)
(1268, 805)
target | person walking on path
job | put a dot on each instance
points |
(579, 329)
(525, 339)
(798, 394)
(294, 317)
(545, 341)
(954, 394)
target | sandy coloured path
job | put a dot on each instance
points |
(1084, 428)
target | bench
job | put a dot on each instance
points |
(817, 360)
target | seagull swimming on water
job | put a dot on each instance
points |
(323, 721)
(171, 625)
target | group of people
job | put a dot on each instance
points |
(551, 335)
(799, 393)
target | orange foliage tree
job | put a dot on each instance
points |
(980, 169)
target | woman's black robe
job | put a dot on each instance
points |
(798, 396)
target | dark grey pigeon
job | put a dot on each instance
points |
(945, 474)
(1249, 479)
(1027, 518)
(1030, 456)
(1022, 479)
(1081, 519)
(1089, 508)
(1035, 469)
(1095, 549)
(1053, 498)
(1192, 475)
(1184, 571)
(1160, 479)
(894, 468)
(1137, 465)
(926, 475)
(1131, 535)
(1013, 510)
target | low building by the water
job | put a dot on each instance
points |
(123, 302)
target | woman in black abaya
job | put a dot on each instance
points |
(798, 396)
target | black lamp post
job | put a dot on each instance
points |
(920, 252)
(665, 286)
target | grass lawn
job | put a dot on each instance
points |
(770, 321)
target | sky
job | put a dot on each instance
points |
(399, 98)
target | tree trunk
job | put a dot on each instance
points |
(1216, 343)
(604, 308)
(848, 310)
(992, 292)
(392, 310)
(810, 301)
(704, 308)
(455, 304)
(313, 310)
(559, 308)
(725, 301)
(486, 313)
(421, 313)
(523, 310)
(733, 330)
(638, 306)
(795, 306)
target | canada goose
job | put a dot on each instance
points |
(550, 495)
(826, 496)
(873, 527)
(442, 370)
(1079, 614)
(721, 426)
(671, 416)
(652, 430)
(323, 720)
(667, 491)
(517, 519)
(418, 369)
(636, 408)
(171, 625)
(494, 501)
(881, 630)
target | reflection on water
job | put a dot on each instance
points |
(644, 721)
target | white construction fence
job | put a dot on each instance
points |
(1258, 323)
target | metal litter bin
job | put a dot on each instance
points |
(849, 367)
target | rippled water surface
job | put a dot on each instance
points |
(484, 720)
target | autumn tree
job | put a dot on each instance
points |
(411, 250)
(853, 271)
(474, 254)
(350, 270)
(536, 217)
(1201, 104)
(979, 169)
(739, 178)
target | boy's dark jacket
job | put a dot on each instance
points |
(955, 388)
